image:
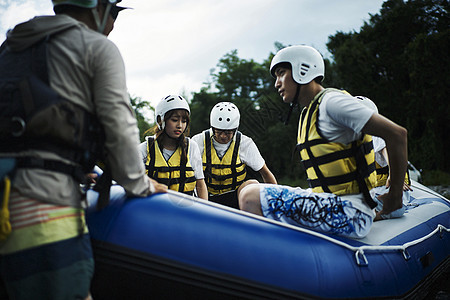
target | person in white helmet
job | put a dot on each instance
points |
(64, 84)
(335, 144)
(226, 153)
(170, 157)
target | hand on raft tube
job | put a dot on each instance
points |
(156, 187)
(391, 209)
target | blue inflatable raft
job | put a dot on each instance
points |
(178, 247)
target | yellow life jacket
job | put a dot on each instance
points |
(176, 175)
(223, 174)
(333, 167)
(383, 174)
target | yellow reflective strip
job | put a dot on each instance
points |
(5, 225)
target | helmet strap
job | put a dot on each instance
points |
(101, 24)
(293, 104)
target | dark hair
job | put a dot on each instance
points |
(182, 143)
(286, 65)
(318, 79)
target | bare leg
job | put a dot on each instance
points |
(243, 185)
(249, 199)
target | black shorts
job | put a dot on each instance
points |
(229, 199)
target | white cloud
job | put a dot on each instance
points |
(14, 12)
(169, 46)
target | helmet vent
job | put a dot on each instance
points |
(224, 116)
(304, 68)
(169, 98)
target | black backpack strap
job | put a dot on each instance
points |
(103, 187)
(52, 165)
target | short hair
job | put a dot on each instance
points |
(286, 65)
(68, 9)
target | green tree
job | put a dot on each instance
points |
(248, 84)
(400, 60)
(141, 108)
(201, 106)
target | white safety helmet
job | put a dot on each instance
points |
(225, 116)
(306, 63)
(169, 103)
(369, 103)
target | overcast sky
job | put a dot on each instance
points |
(170, 46)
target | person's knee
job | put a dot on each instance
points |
(246, 183)
(249, 197)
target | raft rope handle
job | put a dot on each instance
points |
(5, 225)
(358, 254)
(359, 251)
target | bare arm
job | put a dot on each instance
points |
(202, 190)
(395, 137)
(406, 186)
(267, 176)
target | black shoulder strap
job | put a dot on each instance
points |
(233, 166)
(313, 159)
(103, 187)
(152, 157)
(363, 170)
(208, 156)
(183, 168)
(51, 165)
(39, 62)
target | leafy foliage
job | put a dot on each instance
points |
(400, 60)
(249, 86)
(140, 107)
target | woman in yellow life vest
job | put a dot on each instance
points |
(226, 153)
(170, 157)
(336, 149)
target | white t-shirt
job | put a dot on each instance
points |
(341, 119)
(248, 151)
(194, 157)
